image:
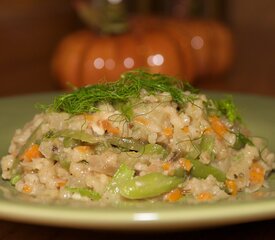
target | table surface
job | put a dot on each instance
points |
(256, 230)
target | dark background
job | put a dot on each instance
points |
(30, 31)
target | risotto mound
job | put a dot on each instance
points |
(144, 137)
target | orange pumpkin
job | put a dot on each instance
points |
(184, 49)
(211, 42)
(85, 57)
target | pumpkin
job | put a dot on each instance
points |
(211, 42)
(185, 50)
(85, 57)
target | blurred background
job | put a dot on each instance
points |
(31, 31)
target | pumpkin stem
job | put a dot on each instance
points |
(108, 16)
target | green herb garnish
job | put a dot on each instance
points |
(223, 107)
(228, 109)
(85, 99)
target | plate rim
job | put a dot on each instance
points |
(146, 220)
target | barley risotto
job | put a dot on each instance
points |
(144, 137)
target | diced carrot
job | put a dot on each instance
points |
(185, 129)
(107, 126)
(231, 186)
(27, 189)
(83, 149)
(259, 194)
(256, 173)
(142, 120)
(186, 164)
(168, 131)
(61, 183)
(174, 195)
(89, 117)
(208, 130)
(166, 166)
(205, 196)
(31, 153)
(218, 126)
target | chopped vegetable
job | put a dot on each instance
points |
(186, 164)
(174, 195)
(27, 188)
(85, 192)
(185, 129)
(200, 170)
(150, 185)
(231, 186)
(180, 172)
(168, 131)
(122, 176)
(31, 153)
(61, 183)
(69, 142)
(205, 196)
(193, 154)
(83, 149)
(241, 141)
(256, 173)
(142, 120)
(33, 137)
(166, 166)
(107, 126)
(77, 135)
(89, 117)
(15, 179)
(218, 126)
(155, 149)
(65, 163)
(126, 144)
(207, 143)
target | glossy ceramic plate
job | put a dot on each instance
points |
(259, 115)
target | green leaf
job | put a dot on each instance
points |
(86, 99)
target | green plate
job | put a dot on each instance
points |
(258, 113)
